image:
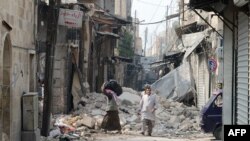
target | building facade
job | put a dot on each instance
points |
(235, 56)
(200, 45)
(17, 63)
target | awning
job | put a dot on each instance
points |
(108, 33)
(172, 53)
(191, 41)
(173, 57)
(186, 29)
(123, 59)
(158, 65)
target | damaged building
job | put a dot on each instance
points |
(88, 55)
(200, 42)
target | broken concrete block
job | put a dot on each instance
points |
(55, 132)
(123, 121)
(130, 97)
(81, 129)
(169, 125)
(126, 102)
(185, 126)
(181, 117)
(96, 112)
(71, 120)
(86, 121)
(98, 120)
(134, 118)
(98, 104)
(174, 119)
(166, 105)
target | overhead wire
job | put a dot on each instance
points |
(156, 10)
(168, 6)
(172, 40)
(156, 28)
(139, 23)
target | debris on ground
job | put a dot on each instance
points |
(174, 119)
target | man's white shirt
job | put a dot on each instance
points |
(147, 104)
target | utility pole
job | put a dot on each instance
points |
(146, 39)
(167, 26)
(135, 28)
(135, 32)
(50, 51)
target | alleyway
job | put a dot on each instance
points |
(57, 54)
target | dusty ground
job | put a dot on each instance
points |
(100, 136)
(121, 137)
(175, 121)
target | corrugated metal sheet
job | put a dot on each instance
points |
(191, 41)
(242, 90)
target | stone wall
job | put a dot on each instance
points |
(60, 80)
(20, 15)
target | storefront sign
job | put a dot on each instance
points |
(70, 18)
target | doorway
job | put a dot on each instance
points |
(6, 90)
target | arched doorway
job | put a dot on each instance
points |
(6, 89)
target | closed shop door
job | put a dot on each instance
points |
(242, 84)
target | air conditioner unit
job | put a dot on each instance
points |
(240, 3)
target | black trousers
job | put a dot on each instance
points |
(147, 123)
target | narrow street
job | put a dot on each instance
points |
(114, 70)
(175, 121)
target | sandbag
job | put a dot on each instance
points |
(114, 86)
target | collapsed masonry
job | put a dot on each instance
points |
(173, 118)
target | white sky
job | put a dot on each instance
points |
(152, 11)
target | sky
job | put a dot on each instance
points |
(149, 11)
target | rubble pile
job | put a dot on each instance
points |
(173, 118)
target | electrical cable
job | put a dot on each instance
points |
(155, 11)
(129, 22)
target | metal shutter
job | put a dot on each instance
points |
(201, 90)
(242, 90)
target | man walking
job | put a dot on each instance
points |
(147, 108)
